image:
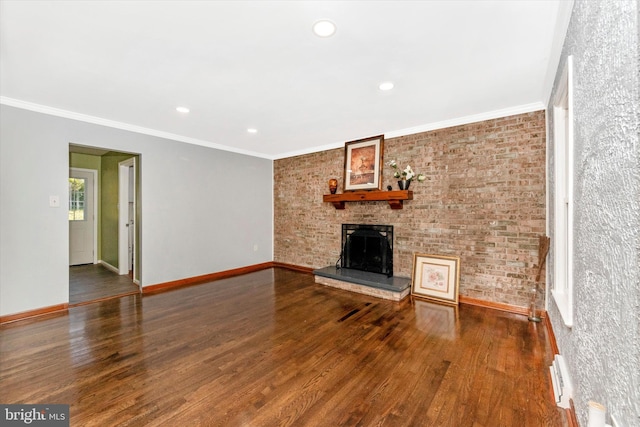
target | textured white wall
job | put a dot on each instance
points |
(603, 347)
(203, 210)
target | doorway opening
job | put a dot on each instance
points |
(107, 274)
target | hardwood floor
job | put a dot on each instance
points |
(93, 282)
(274, 348)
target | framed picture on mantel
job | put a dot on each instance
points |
(363, 164)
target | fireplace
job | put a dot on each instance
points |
(366, 264)
(368, 248)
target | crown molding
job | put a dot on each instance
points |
(496, 114)
(39, 108)
(563, 19)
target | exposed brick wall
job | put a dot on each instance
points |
(483, 200)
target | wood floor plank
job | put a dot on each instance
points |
(92, 282)
(273, 348)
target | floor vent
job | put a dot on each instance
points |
(562, 387)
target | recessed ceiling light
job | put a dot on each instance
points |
(385, 86)
(182, 109)
(252, 130)
(324, 28)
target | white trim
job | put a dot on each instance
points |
(490, 115)
(124, 126)
(93, 172)
(561, 382)
(108, 266)
(563, 18)
(496, 114)
(547, 290)
(273, 214)
(521, 109)
(123, 215)
(317, 149)
(563, 196)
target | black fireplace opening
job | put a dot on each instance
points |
(368, 248)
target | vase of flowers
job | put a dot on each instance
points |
(405, 176)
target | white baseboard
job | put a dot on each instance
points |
(109, 266)
(562, 386)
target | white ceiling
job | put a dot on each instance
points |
(257, 64)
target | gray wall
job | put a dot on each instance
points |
(203, 210)
(603, 347)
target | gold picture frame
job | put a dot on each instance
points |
(436, 277)
(363, 164)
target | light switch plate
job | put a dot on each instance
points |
(54, 201)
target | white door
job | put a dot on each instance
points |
(81, 217)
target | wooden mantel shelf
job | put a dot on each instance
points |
(395, 198)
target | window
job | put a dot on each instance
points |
(563, 201)
(77, 199)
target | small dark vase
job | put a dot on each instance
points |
(404, 184)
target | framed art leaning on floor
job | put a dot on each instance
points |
(436, 277)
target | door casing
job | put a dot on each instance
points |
(123, 216)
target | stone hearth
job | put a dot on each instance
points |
(363, 282)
